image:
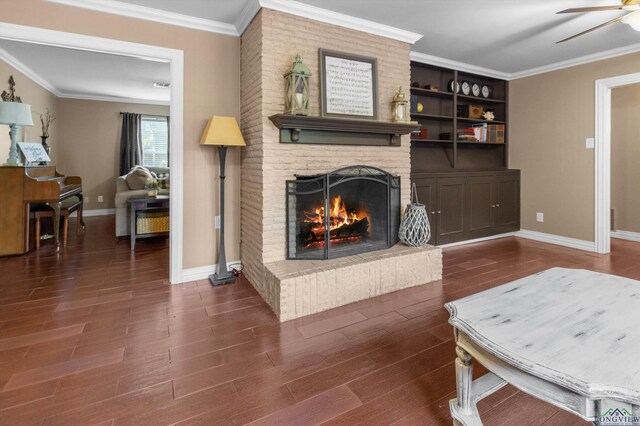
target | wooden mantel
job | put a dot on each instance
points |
(339, 131)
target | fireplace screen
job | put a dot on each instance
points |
(349, 211)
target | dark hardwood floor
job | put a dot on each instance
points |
(95, 335)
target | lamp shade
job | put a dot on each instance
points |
(222, 131)
(15, 113)
(633, 20)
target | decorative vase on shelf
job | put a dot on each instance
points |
(152, 192)
(46, 147)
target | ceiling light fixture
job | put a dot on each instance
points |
(161, 84)
(633, 20)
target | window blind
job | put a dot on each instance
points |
(155, 141)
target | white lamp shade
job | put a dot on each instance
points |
(633, 20)
(15, 113)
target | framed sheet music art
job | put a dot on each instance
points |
(34, 152)
(348, 85)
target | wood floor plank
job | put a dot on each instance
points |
(330, 377)
(245, 409)
(62, 369)
(92, 301)
(313, 411)
(27, 394)
(330, 324)
(217, 375)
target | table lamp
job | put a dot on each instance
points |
(222, 132)
(15, 114)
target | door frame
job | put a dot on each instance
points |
(603, 157)
(175, 58)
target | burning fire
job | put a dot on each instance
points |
(343, 224)
(338, 216)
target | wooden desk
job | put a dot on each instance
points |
(569, 337)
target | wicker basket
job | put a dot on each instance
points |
(151, 223)
(414, 228)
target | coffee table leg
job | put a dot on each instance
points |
(463, 409)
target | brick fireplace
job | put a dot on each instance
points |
(294, 288)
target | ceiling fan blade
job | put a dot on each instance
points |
(590, 9)
(597, 27)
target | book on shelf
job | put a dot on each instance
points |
(486, 133)
(480, 131)
(495, 133)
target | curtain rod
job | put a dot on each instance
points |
(148, 115)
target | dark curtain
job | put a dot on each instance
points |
(130, 144)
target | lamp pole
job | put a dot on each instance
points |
(223, 276)
(14, 158)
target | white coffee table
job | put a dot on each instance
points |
(569, 337)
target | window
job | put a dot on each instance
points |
(154, 131)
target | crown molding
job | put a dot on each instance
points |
(594, 57)
(340, 19)
(150, 14)
(101, 98)
(460, 66)
(28, 72)
(249, 12)
(246, 16)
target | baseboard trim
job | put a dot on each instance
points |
(478, 240)
(626, 235)
(97, 212)
(557, 240)
(202, 272)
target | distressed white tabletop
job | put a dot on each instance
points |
(576, 328)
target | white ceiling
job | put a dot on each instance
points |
(509, 36)
(81, 74)
(505, 37)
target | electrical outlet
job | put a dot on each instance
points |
(86, 200)
(100, 199)
(217, 222)
(590, 143)
(540, 217)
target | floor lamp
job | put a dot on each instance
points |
(15, 114)
(222, 132)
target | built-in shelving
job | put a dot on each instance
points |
(440, 117)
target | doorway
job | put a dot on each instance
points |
(151, 53)
(603, 157)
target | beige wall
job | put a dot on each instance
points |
(89, 144)
(269, 48)
(625, 157)
(39, 99)
(211, 86)
(550, 116)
